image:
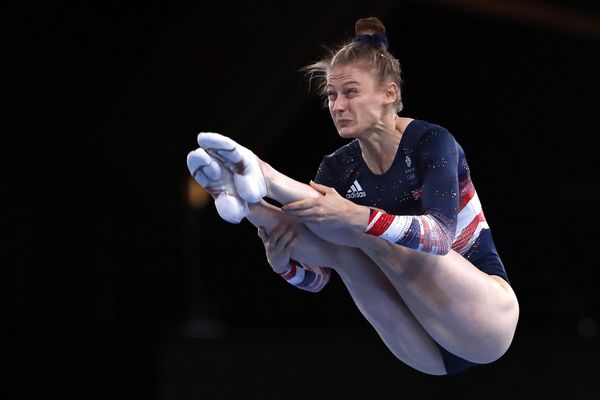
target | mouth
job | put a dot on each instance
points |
(343, 122)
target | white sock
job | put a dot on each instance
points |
(218, 181)
(242, 162)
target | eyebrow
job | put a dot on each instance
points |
(345, 83)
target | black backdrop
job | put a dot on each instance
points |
(119, 289)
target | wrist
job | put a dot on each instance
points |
(289, 272)
(283, 269)
(360, 218)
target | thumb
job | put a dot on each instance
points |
(319, 188)
(262, 233)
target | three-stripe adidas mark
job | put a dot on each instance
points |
(355, 191)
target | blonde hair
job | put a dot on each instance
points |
(368, 48)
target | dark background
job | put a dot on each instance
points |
(119, 289)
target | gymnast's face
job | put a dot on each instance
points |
(356, 100)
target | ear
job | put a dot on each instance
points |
(391, 92)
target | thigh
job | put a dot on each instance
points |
(382, 306)
(468, 312)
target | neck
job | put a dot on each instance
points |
(379, 145)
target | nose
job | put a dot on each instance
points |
(339, 105)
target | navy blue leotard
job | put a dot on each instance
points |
(425, 201)
(427, 198)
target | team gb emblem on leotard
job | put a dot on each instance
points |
(408, 161)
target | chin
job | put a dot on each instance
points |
(347, 133)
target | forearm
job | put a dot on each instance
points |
(427, 233)
(307, 250)
(306, 277)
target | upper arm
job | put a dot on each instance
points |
(438, 164)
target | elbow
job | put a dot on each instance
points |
(441, 235)
(447, 245)
(443, 252)
(444, 245)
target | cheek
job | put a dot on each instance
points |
(364, 110)
(373, 109)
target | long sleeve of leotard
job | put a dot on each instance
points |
(306, 277)
(433, 231)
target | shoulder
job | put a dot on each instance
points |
(347, 154)
(428, 138)
(338, 164)
(427, 131)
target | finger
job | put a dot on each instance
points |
(318, 187)
(270, 239)
(301, 213)
(287, 238)
(298, 205)
(310, 218)
(277, 233)
(322, 188)
(262, 233)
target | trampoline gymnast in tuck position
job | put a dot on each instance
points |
(394, 213)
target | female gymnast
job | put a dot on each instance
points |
(394, 213)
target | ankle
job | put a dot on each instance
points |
(268, 173)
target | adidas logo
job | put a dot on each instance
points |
(355, 191)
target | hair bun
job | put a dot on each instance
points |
(369, 26)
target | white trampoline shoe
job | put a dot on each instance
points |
(243, 163)
(218, 181)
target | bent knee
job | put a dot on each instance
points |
(493, 347)
(494, 341)
(486, 347)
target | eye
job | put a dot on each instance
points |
(351, 91)
(331, 95)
